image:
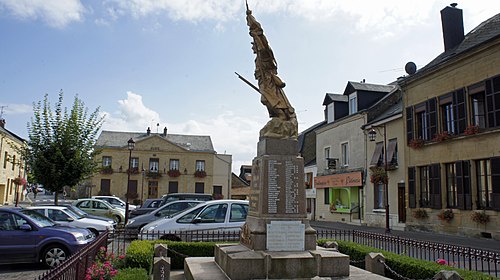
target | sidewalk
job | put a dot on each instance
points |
(477, 243)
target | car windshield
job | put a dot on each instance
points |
(73, 215)
(78, 211)
(39, 219)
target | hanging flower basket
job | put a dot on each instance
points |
(416, 143)
(200, 174)
(446, 215)
(20, 181)
(174, 173)
(480, 217)
(379, 175)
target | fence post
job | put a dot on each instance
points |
(160, 250)
(373, 263)
(161, 268)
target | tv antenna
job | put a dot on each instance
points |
(1, 110)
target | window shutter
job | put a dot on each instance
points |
(460, 187)
(412, 202)
(460, 111)
(435, 187)
(391, 150)
(409, 124)
(432, 118)
(495, 182)
(327, 196)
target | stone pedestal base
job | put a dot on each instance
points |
(239, 262)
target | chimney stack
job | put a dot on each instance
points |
(165, 131)
(2, 123)
(453, 26)
(148, 132)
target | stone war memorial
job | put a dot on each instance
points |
(276, 241)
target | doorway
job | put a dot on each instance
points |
(401, 203)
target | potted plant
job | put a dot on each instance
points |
(443, 136)
(20, 181)
(480, 217)
(416, 143)
(200, 174)
(446, 215)
(472, 129)
(420, 213)
(379, 175)
(174, 173)
(333, 208)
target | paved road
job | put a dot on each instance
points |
(21, 271)
(478, 243)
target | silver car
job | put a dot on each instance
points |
(200, 222)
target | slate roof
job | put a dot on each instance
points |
(195, 143)
(483, 33)
(355, 86)
(11, 134)
(334, 97)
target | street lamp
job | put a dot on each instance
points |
(372, 134)
(131, 146)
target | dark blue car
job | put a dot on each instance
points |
(28, 237)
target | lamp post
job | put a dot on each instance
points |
(131, 146)
(372, 134)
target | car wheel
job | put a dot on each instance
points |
(171, 237)
(117, 219)
(54, 255)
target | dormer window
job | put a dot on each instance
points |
(353, 104)
(330, 113)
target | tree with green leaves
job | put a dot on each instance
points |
(60, 149)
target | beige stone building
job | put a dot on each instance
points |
(12, 166)
(452, 126)
(160, 164)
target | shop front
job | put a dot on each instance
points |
(341, 195)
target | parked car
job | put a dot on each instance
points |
(115, 201)
(185, 196)
(87, 215)
(64, 216)
(149, 205)
(166, 211)
(100, 208)
(211, 217)
(29, 237)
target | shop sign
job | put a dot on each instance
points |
(353, 179)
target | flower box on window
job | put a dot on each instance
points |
(472, 129)
(416, 143)
(153, 175)
(443, 136)
(174, 173)
(134, 170)
(200, 174)
(216, 196)
(446, 215)
(480, 217)
(420, 214)
(107, 169)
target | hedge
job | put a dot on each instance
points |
(132, 274)
(140, 255)
(403, 265)
(179, 249)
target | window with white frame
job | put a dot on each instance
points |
(353, 103)
(154, 165)
(344, 147)
(106, 161)
(327, 152)
(174, 164)
(134, 163)
(330, 117)
(200, 165)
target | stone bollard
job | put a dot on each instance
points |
(161, 268)
(332, 245)
(373, 263)
(160, 250)
(447, 275)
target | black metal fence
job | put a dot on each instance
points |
(460, 257)
(76, 265)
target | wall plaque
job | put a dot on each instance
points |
(285, 236)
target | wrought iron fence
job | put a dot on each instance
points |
(76, 265)
(460, 257)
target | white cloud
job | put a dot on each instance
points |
(230, 133)
(54, 12)
(16, 109)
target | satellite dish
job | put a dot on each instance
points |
(410, 68)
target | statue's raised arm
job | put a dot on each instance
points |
(283, 123)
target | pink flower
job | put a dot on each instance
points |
(442, 262)
(121, 257)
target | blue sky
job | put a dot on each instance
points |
(172, 62)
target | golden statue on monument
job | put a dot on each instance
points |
(283, 123)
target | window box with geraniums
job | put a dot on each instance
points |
(480, 217)
(472, 129)
(107, 169)
(216, 196)
(416, 143)
(153, 175)
(174, 173)
(133, 170)
(446, 215)
(420, 214)
(443, 136)
(200, 174)
(379, 175)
